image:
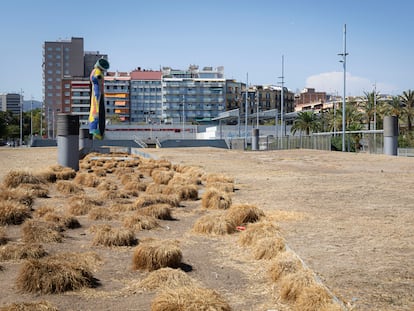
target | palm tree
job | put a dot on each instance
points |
(394, 107)
(407, 98)
(306, 121)
(369, 106)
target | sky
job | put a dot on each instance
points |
(253, 40)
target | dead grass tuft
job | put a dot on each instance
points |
(189, 298)
(15, 177)
(63, 173)
(214, 225)
(35, 231)
(268, 248)
(213, 198)
(166, 278)
(140, 222)
(222, 186)
(161, 177)
(68, 187)
(292, 286)
(55, 274)
(159, 211)
(35, 190)
(13, 213)
(256, 231)
(107, 235)
(65, 221)
(149, 199)
(241, 214)
(313, 298)
(3, 236)
(81, 205)
(153, 254)
(221, 178)
(29, 306)
(16, 194)
(107, 186)
(184, 192)
(87, 180)
(19, 251)
(47, 175)
(284, 264)
(101, 213)
(154, 188)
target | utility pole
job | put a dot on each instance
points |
(343, 61)
(245, 111)
(282, 101)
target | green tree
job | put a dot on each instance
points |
(306, 121)
(407, 98)
(394, 107)
(369, 107)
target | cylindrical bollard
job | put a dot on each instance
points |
(68, 140)
(391, 135)
(85, 142)
(255, 139)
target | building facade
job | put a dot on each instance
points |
(117, 97)
(11, 102)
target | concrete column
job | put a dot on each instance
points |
(85, 142)
(391, 135)
(255, 139)
(68, 140)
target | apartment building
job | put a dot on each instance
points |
(117, 96)
(310, 99)
(11, 102)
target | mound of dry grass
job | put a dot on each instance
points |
(184, 192)
(189, 298)
(292, 285)
(30, 306)
(153, 254)
(315, 298)
(87, 180)
(3, 236)
(13, 213)
(82, 204)
(185, 179)
(166, 278)
(214, 225)
(140, 222)
(16, 194)
(161, 177)
(241, 214)
(43, 210)
(16, 177)
(159, 211)
(222, 186)
(256, 231)
(35, 190)
(107, 186)
(268, 248)
(149, 199)
(213, 198)
(284, 264)
(221, 178)
(154, 188)
(35, 231)
(63, 173)
(136, 186)
(65, 221)
(17, 251)
(68, 187)
(107, 235)
(101, 213)
(55, 274)
(47, 175)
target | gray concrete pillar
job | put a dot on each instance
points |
(68, 140)
(391, 135)
(255, 139)
(85, 142)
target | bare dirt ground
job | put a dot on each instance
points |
(350, 217)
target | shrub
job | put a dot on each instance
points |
(41, 232)
(166, 278)
(140, 222)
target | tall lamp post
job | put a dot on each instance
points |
(246, 111)
(21, 118)
(282, 101)
(343, 61)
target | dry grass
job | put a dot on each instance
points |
(213, 198)
(134, 185)
(68, 187)
(214, 225)
(16, 177)
(213, 177)
(65, 221)
(222, 186)
(140, 222)
(29, 306)
(256, 231)
(153, 254)
(292, 286)
(184, 192)
(149, 199)
(159, 211)
(35, 190)
(161, 177)
(166, 278)
(284, 264)
(107, 235)
(55, 274)
(43, 210)
(106, 186)
(16, 194)
(3, 236)
(63, 173)
(241, 214)
(314, 298)
(47, 175)
(87, 180)
(35, 231)
(154, 188)
(81, 204)
(189, 298)
(19, 251)
(101, 213)
(13, 213)
(268, 248)
(185, 179)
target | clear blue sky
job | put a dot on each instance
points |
(243, 36)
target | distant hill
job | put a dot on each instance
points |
(28, 104)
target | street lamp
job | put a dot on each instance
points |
(245, 111)
(183, 115)
(282, 101)
(21, 118)
(343, 61)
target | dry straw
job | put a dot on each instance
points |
(55, 274)
(3, 236)
(29, 306)
(160, 176)
(140, 222)
(41, 232)
(256, 231)
(68, 187)
(315, 298)
(189, 298)
(214, 225)
(15, 177)
(159, 211)
(106, 186)
(183, 192)
(153, 254)
(241, 214)
(81, 204)
(87, 180)
(63, 173)
(101, 213)
(64, 221)
(154, 188)
(213, 198)
(292, 286)
(268, 248)
(166, 278)
(150, 199)
(284, 264)
(107, 235)
(35, 190)
(16, 194)
(17, 251)
(13, 213)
